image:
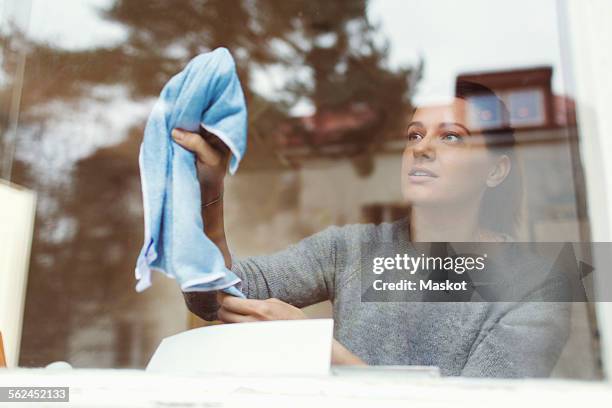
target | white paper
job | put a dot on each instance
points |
(17, 209)
(300, 347)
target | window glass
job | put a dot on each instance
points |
(372, 126)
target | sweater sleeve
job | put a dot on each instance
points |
(525, 342)
(525, 339)
(302, 274)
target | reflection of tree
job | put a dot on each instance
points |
(329, 53)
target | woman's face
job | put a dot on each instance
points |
(445, 163)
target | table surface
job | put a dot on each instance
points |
(135, 388)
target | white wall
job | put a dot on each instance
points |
(590, 35)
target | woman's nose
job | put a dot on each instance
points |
(425, 148)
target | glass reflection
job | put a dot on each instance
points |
(328, 109)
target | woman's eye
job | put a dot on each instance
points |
(414, 137)
(452, 137)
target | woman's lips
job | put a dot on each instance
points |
(420, 175)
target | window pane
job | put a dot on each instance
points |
(389, 123)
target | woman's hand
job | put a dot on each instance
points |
(236, 310)
(212, 158)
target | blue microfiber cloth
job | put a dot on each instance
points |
(206, 93)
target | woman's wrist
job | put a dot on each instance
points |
(212, 215)
(218, 199)
(211, 192)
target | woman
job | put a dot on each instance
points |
(455, 178)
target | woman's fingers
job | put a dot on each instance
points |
(234, 310)
(221, 296)
(250, 307)
(196, 144)
(227, 316)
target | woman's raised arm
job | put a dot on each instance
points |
(212, 157)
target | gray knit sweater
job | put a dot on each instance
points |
(522, 339)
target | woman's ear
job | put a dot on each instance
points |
(500, 171)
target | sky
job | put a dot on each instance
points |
(452, 36)
(72, 24)
(469, 35)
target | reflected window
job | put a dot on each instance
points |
(484, 112)
(526, 107)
